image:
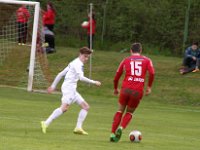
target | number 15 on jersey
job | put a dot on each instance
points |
(136, 68)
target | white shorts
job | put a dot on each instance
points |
(70, 97)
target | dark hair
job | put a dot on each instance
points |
(93, 16)
(195, 43)
(136, 47)
(85, 50)
(52, 7)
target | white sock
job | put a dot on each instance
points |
(56, 113)
(81, 117)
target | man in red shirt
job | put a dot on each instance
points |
(23, 16)
(90, 33)
(135, 67)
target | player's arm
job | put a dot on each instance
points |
(27, 14)
(198, 56)
(188, 52)
(57, 79)
(87, 80)
(117, 77)
(80, 72)
(46, 16)
(151, 77)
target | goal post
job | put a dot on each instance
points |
(33, 47)
(35, 36)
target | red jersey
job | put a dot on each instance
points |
(93, 22)
(22, 15)
(49, 17)
(135, 68)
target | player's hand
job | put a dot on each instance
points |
(97, 83)
(50, 90)
(148, 91)
(116, 92)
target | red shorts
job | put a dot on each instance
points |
(130, 97)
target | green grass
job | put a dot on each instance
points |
(168, 118)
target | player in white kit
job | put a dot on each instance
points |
(73, 73)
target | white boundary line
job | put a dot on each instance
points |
(174, 109)
(197, 110)
(22, 88)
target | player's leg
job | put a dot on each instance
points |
(22, 32)
(67, 100)
(25, 32)
(188, 70)
(19, 33)
(125, 120)
(55, 114)
(186, 64)
(115, 136)
(127, 117)
(196, 66)
(187, 61)
(118, 115)
(51, 41)
(132, 104)
(82, 114)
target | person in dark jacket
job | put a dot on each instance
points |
(191, 59)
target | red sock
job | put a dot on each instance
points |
(126, 119)
(116, 121)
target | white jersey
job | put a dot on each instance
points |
(73, 72)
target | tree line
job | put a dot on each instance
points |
(158, 23)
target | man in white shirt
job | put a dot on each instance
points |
(73, 72)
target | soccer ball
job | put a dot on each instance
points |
(84, 24)
(135, 136)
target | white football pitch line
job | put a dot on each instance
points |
(161, 108)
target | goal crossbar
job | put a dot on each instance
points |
(18, 2)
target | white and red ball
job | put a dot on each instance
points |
(85, 23)
(135, 136)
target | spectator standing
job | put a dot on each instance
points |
(91, 23)
(23, 16)
(49, 16)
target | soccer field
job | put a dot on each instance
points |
(168, 118)
(163, 126)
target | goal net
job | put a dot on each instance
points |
(23, 61)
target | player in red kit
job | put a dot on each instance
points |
(135, 68)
